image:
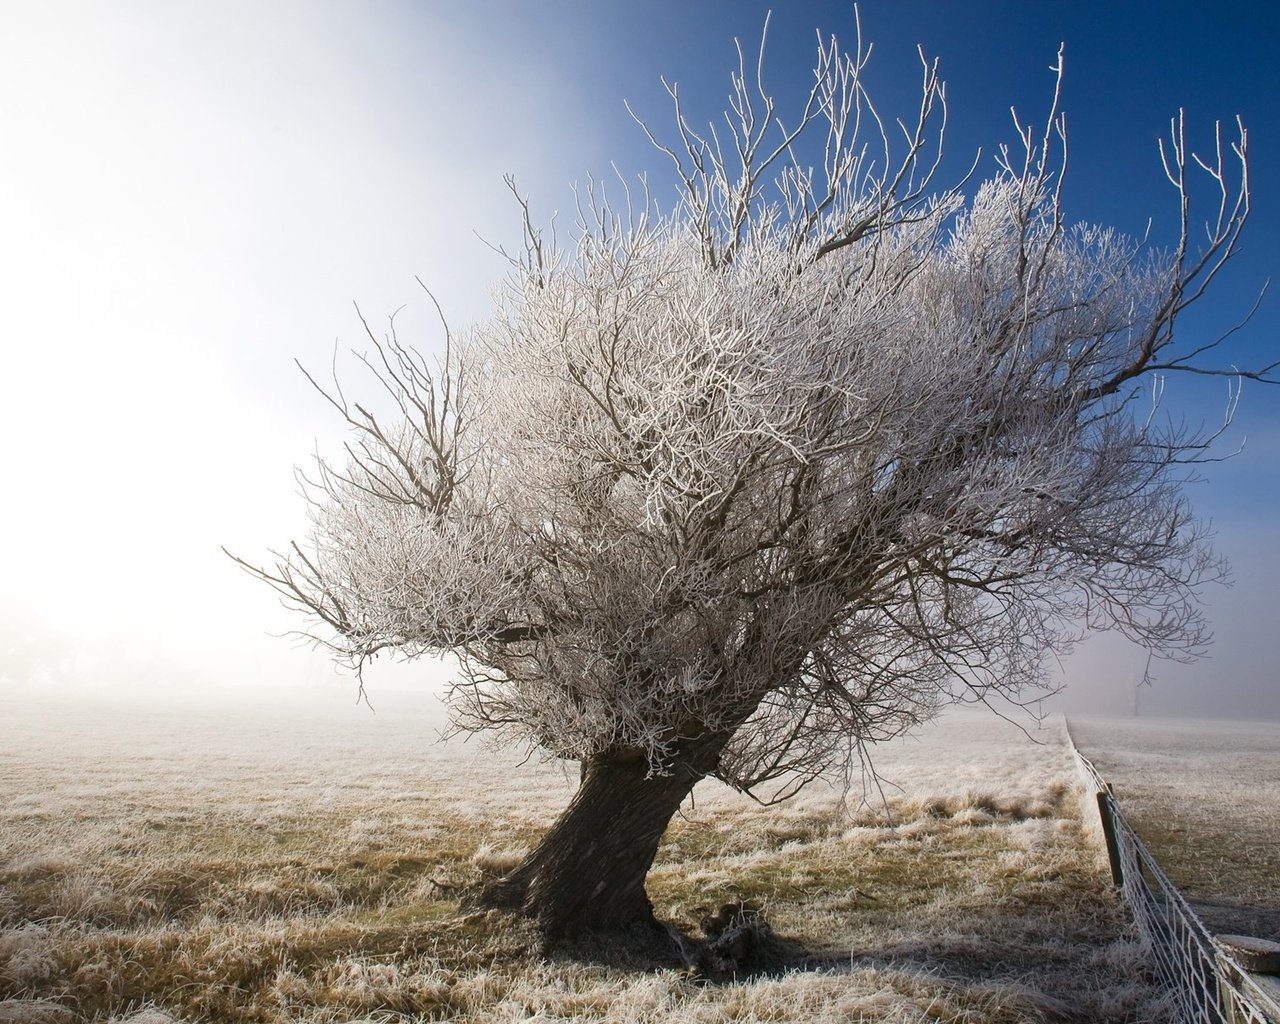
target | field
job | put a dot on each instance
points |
(301, 861)
(1204, 797)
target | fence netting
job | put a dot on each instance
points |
(1208, 985)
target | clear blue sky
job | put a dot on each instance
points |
(193, 194)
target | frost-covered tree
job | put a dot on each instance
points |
(733, 488)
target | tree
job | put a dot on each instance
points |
(735, 488)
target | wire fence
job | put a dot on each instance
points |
(1208, 985)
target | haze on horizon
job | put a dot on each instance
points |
(194, 196)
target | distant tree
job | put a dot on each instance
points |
(735, 488)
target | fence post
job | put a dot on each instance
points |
(1105, 805)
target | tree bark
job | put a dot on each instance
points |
(588, 871)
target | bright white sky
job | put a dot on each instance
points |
(193, 194)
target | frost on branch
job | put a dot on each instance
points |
(784, 468)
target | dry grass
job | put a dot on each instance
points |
(290, 864)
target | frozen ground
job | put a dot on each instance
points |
(1205, 796)
(288, 862)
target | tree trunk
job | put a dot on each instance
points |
(588, 871)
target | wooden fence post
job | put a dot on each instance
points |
(1105, 809)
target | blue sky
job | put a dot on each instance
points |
(192, 195)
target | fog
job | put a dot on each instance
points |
(1237, 678)
(193, 196)
(198, 197)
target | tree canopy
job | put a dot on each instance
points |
(734, 486)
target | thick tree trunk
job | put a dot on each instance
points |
(588, 871)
